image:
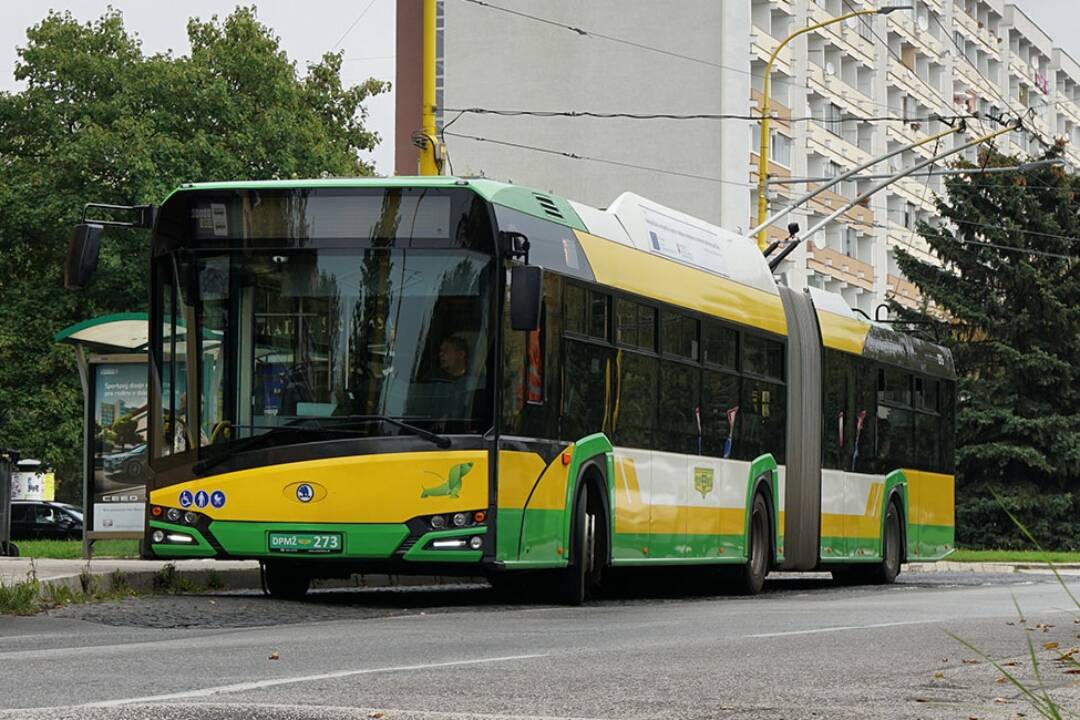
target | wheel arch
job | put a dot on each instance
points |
(592, 462)
(896, 490)
(764, 477)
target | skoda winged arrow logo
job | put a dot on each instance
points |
(304, 493)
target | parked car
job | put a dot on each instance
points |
(39, 520)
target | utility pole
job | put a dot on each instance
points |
(431, 150)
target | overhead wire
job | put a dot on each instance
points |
(606, 161)
(354, 22)
(688, 116)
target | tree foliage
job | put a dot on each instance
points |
(1006, 300)
(100, 121)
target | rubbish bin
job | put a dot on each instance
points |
(8, 458)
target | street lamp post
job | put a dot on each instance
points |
(763, 150)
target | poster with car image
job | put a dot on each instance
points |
(117, 497)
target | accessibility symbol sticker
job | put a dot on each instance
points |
(185, 498)
(217, 499)
(201, 498)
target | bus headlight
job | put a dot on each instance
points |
(460, 519)
(191, 518)
(158, 536)
(172, 515)
(438, 522)
(476, 542)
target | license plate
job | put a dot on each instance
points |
(303, 542)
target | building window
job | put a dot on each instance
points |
(780, 149)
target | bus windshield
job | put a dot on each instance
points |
(323, 338)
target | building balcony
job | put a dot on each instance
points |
(832, 87)
(1068, 108)
(897, 235)
(903, 291)
(833, 146)
(974, 80)
(927, 43)
(780, 113)
(901, 76)
(981, 36)
(828, 202)
(763, 45)
(835, 264)
(843, 35)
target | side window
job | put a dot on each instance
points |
(895, 419)
(838, 410)
(861, 456)
(719, 412)
(586, 372)
(721, 345)
(634, 412)
(635, 325)
(763, 357)
(680, 405)
(585, 388)
(679, 335)
(763, 420)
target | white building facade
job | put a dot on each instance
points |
(839, 95)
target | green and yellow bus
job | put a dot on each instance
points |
(459, 376)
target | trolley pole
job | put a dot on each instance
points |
(430, 147)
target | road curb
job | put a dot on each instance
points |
(104, 575)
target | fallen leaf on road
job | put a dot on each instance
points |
(376, 714)
(1000, 700)
(1002, 679)
(1011, 663)
(921, 700)
(970, 661)
(1050, 646)
(1009, 622)
(1072, 671)
(939, 675)
(944, 659)
(275, 655)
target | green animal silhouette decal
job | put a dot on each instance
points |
(452, 486)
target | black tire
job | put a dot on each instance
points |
(11, 550)
(891, 550)
(582, 576)
(751, 577)
(285, 582)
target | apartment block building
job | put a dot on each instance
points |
(839, 95)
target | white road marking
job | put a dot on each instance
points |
(260, 684)
(839, 628)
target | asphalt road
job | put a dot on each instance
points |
(804, 649)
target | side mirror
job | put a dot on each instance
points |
(526, 292)
(82, 256)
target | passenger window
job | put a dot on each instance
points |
(635, 325)
(894, 386)
(634, 414)
(585, 387)
(763, 357)
(574, 312)
(720, 413)
(680, 403)
(721, 346)
(679, 335)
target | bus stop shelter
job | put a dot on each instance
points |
(112, 360)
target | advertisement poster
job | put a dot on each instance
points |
(118, 490)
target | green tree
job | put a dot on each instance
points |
(99, 121)
(1006, 299)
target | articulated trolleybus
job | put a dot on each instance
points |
(459, 376)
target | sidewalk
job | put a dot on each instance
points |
(137, 574)
(993, 567)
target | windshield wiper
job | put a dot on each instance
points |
(440, 440)
(202, 466)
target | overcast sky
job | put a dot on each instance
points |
(307, 29)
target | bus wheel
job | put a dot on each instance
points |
(582, 574)
(889, 568)
(285, 582)
(751, 576)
